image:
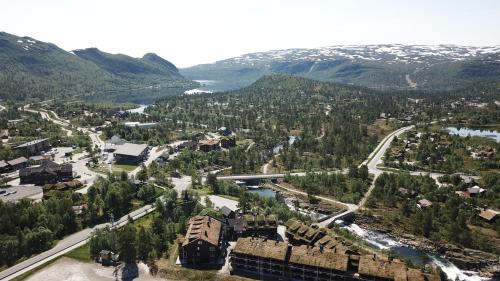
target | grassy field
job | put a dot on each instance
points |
(80, 254)
(123, 167)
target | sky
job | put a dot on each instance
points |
(190, 32)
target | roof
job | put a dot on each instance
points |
(47, 166)
(3, 164)
(38, 157)
(208, 142)
(314, 256)
(203, 228)
(30, 143)
(475, 189)
(226, 211)
(424, 202)
(488, 214)
(131, 149)
(17, 161)
(261, 248)
(372, 265)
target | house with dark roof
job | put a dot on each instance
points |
(228, 142)
(18, 163)
(208, 145)
(38, 159)
(47, 172)
(299, 233)
(424, 203)
(4, 167)
(202, 241)
(224, 131)
(131, 153)
(227, 213)
(489, 215)
(34, 147)
(277, 260)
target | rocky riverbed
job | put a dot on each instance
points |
(464, 258)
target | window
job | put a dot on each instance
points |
(212, 249)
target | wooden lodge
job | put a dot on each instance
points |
(276, 260)
(202, 241)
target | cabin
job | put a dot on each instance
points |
(18, 163)
(208, 145)
(38, 159)
(475, 191)
(224, 131)
(489, 215)
(131, 153)
(299, 233)
(227, 142)
(424, 203)
(47, 172)
(227, 213)
(201, 245)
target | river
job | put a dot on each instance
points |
(382, 241)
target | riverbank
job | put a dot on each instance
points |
(468, 260)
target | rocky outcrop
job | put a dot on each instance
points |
(463, 258)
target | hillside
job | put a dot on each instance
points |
(33, 69)
(441, 67)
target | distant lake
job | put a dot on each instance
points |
(464, 132)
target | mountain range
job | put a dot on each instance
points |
(394, 66)
(30, 68)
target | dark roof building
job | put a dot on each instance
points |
(4, 167)
(269, 259)
(299, 233)
(489, 215)
(227, 142)
(34, 147)
(202, 240)
(227, 213)
(47, 172)
(208, 145)
(131, 153)
(18, 163)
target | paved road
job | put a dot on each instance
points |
(67, 244)
(80, 238)
(373, 160)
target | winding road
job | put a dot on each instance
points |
(76, 240)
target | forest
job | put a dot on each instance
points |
(450, 218)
